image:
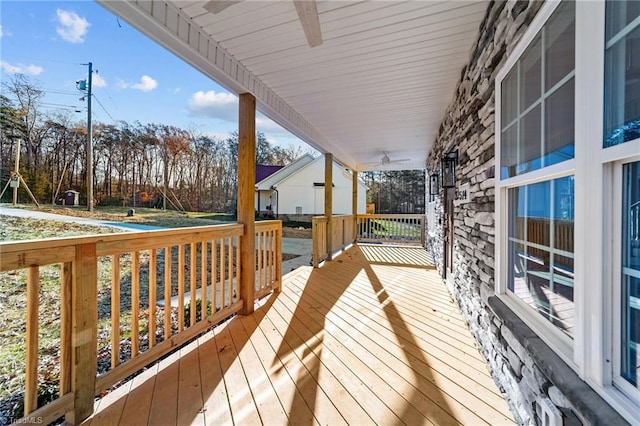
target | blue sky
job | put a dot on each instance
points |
(136, 79)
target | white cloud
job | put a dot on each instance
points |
(223, 106)
(4, 32)
(71, 27)
(146, 84)
(20, 68)
(98, 81)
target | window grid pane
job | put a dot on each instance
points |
(541, 234)
(622, 89)
(545, 114)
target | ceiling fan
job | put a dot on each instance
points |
(307, 13)
(385, 160)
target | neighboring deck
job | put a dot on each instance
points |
(372, 337)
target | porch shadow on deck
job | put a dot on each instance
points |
(370, 338)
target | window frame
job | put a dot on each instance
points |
(594, 352)
(616, 270)
(551, 335)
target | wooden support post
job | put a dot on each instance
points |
(246, 198)
(84, 332)
(354, 204)
(328, 201)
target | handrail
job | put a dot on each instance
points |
(347, 229)
(157, 290)
(391, 228)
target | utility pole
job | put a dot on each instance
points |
(82, 86)
(89, 144)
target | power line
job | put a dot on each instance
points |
(104, 89)
(49, 104)
(59, 92)
(103, 108)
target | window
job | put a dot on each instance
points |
(622, 126)
(537, 131)
(537, 121)
(540, 249)
(622, 72)
(568, 192)
(630, 321)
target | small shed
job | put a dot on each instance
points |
(71, 198)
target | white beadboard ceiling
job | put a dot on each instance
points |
(379, 83)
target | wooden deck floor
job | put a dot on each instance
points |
(370, 338)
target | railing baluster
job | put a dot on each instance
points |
(237, 273)
(223, 299)
(214, 275)
(153, 270)
(278, 259)
(33, 303)
(192, 284)
(181, 266)
(65, 328)
(135, 303)
(115, 310)
(203, 280)
(230, 268)
(167, 293)
(259, 253)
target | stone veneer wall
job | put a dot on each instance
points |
(468, 126)
(523, 366)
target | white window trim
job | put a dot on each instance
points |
(551, 335)
(597, 171)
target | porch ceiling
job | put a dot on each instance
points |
(380, 81)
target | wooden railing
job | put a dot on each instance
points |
(128, 299)
(342, 235)
(268, 257)
(347, 229)
(391, 228)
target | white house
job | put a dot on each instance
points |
(297, 190)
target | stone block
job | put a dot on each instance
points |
(558, 398)
(484, 218)
(488, 183)
(513, 343)
(515, 363)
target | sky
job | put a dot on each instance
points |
(134, 79)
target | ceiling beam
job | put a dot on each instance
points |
(217, 6)
(308, 15)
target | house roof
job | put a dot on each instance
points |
(379, 83)
(290, 170)
(276, 177)
(263, 171)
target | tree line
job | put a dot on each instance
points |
(152, 164)
(134, 164)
